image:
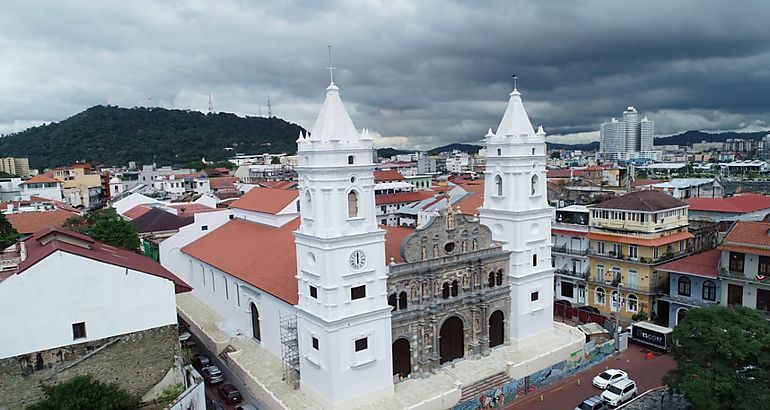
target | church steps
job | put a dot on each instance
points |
(474, 389)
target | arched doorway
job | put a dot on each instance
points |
(451, 340)
(680, 314)
(496, 329)
(255, 322)
(402, 357)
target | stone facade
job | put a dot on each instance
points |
(452, 269)
(135, 361)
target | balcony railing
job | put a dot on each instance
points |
(642, 259)
(570, 272)
(756, 278)
(568, 250)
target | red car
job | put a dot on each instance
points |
(229, 394)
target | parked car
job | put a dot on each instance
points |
(212, 375)
(246, 406)
(608, 377)
(593, 403)
(620, 392)
(229, 394)
(184, 336)
(200, 361)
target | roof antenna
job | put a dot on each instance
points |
(514, 81)
(211, 106)
(331, 68)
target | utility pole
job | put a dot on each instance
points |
(618, 284)
(269, 109)
(211, 106)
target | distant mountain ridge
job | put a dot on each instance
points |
(112, 135)
(691, 137)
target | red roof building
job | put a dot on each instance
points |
(266, 200)
(388, 176)
(705, 264)
(735, 204)
(30, 222)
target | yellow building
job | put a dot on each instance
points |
(629, 237)
(15, 166)
(82, 186)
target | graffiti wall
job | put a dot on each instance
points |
(515, 389)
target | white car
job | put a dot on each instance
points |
(619, 392)
(608, 377)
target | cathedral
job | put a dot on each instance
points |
(376, 305)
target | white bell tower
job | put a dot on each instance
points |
(343, 318)
(516, 210)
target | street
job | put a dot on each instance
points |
(567, 394)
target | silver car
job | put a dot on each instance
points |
(212, 375)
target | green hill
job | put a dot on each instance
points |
(113, 136)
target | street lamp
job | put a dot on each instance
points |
(616, 281)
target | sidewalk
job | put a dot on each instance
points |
(566, 394)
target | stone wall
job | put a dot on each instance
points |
(135, 361)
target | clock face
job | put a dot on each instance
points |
(357, 260)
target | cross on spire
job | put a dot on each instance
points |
(514, 81)
(331, 68)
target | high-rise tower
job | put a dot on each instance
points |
(516, 209)
(344, 327)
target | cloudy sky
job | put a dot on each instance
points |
(419, 73)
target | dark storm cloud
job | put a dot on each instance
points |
(419, 73)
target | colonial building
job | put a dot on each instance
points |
(693, 283)
(569, 239)
(744, 266)
(450, 295)
(630, 236)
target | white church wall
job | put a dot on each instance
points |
(64, 289)
(170, 250)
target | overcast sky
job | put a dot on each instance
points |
(420, 73)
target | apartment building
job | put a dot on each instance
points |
(744, 267)
(569, 252)
(629, 237)
(15, 166)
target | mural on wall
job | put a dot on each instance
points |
(514, 389)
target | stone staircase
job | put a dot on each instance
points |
(475, 389)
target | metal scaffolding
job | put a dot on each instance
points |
(290, 349)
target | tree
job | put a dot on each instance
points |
(8, 234)
(723, 358)
(556, 155)
(84, 393)
(105, 225)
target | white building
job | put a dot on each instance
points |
(516, 209)
(43, 186)
(85, 291)
(627, 139)
(9, 189)
(569, 238)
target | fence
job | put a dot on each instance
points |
(583, 316)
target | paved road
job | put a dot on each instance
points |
(566, 394)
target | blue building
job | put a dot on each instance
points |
(693, 282)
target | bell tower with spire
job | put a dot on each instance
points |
(516, 210)
(343, 319)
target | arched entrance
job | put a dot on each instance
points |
(451, 340)
(496, 329)
(255, 323)
(680, 314)
(402, 357)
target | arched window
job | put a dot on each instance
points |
(533, 151)
(534, 184)
(499, 152)
(534, 259)
(350, 159)
(499, 185)
(633, 303)
(684, 286)
(352, 204)
(402, 300)
(298, 202)
(455, 288)
(255, 323)
(474, 244)
(445, 290)
(709, 290)
(308, 202)
(601, 297)
(491, 281)
(392, 301)
(499, 278)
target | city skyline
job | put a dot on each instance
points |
(441, 76)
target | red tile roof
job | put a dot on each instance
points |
(756, 234)
(190, 208)
(223, 182)
(704, 264)
(649, 201)
(230, 248)
(400, 197)
(41, 179)
(265, 200)
(471, 203)
(136, 211)
(47, 241)
(31, 222)
(390, 175)
(644, 182)
(160, 220)
(564, 173)
(278, 184)
(735, 204)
